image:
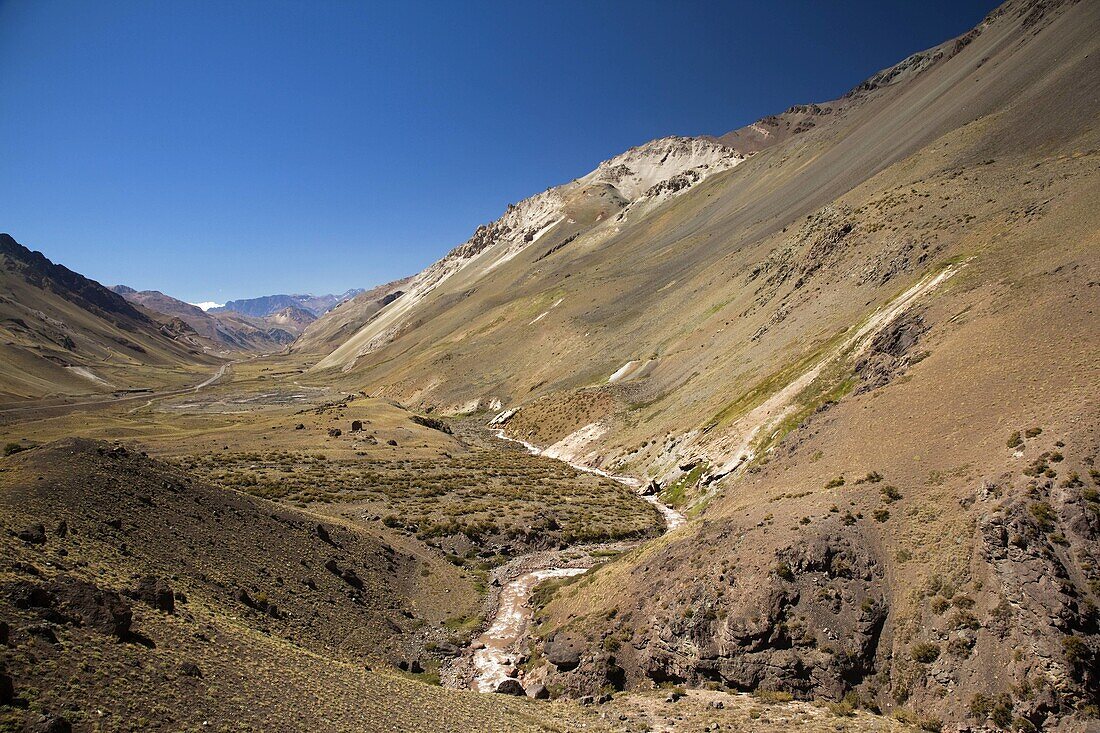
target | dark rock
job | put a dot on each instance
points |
(335, 432)
(33, 535)
(511, 687)
(300, 426)
(323, 535)
(155, 592)
(391, 442)
(5, 633)
(433, 423)
(348, 575)
(7, 688)
(62, 530)
(190, 669)
(415, 666)
(114, 523)
(447, 649)
(563, 652)
(28, 594)
(49, 724)
(356, 426)
(41, 631)
(91, 606)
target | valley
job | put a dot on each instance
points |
(791, 427)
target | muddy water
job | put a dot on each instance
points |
(496, 650)
(495, 661)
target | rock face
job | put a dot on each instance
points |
(891, 352)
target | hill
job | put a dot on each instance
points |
(223, 330)
(63, 334)
(347, 318)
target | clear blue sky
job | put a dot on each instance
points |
(227, 149)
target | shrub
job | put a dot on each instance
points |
(881, 515)
(1044, 514)
(772, 696)
(925, 653)
(1015, 440)
(833, 483)
(890, 494)
(1075, 648)
(13, 448)
(783, 570)
(1033, 432)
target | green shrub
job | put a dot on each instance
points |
(925, 652)
(13, 448)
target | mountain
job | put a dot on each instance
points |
(855, 342)
(269, 304)
(597, 205)
(223, 330)
(346, 318)
(63, 334)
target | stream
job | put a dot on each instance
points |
(497, 650)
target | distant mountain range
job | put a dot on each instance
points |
(224, 329)
(266, 305)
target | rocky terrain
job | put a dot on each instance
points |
(794, 426)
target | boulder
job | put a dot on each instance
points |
(356, 426)
(155, 592)
(563, 652)
(511, 687)
(35, 534)
(190, 669)
(538, 691)
(49, 724)
(91, 606)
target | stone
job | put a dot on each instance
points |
(190, 669)
(538, 691)
(35, 534)
(563, 652)
(511, 687)
(155, 592)
(91, 606)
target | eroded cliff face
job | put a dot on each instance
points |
(1002, 625)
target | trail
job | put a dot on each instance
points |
(62, 408)
(494, 658)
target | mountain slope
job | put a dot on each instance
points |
(333, 328)
(224, 330)
(65, 334)
(582, 211)
(825, 355)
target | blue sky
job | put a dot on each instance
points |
(228, 149)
